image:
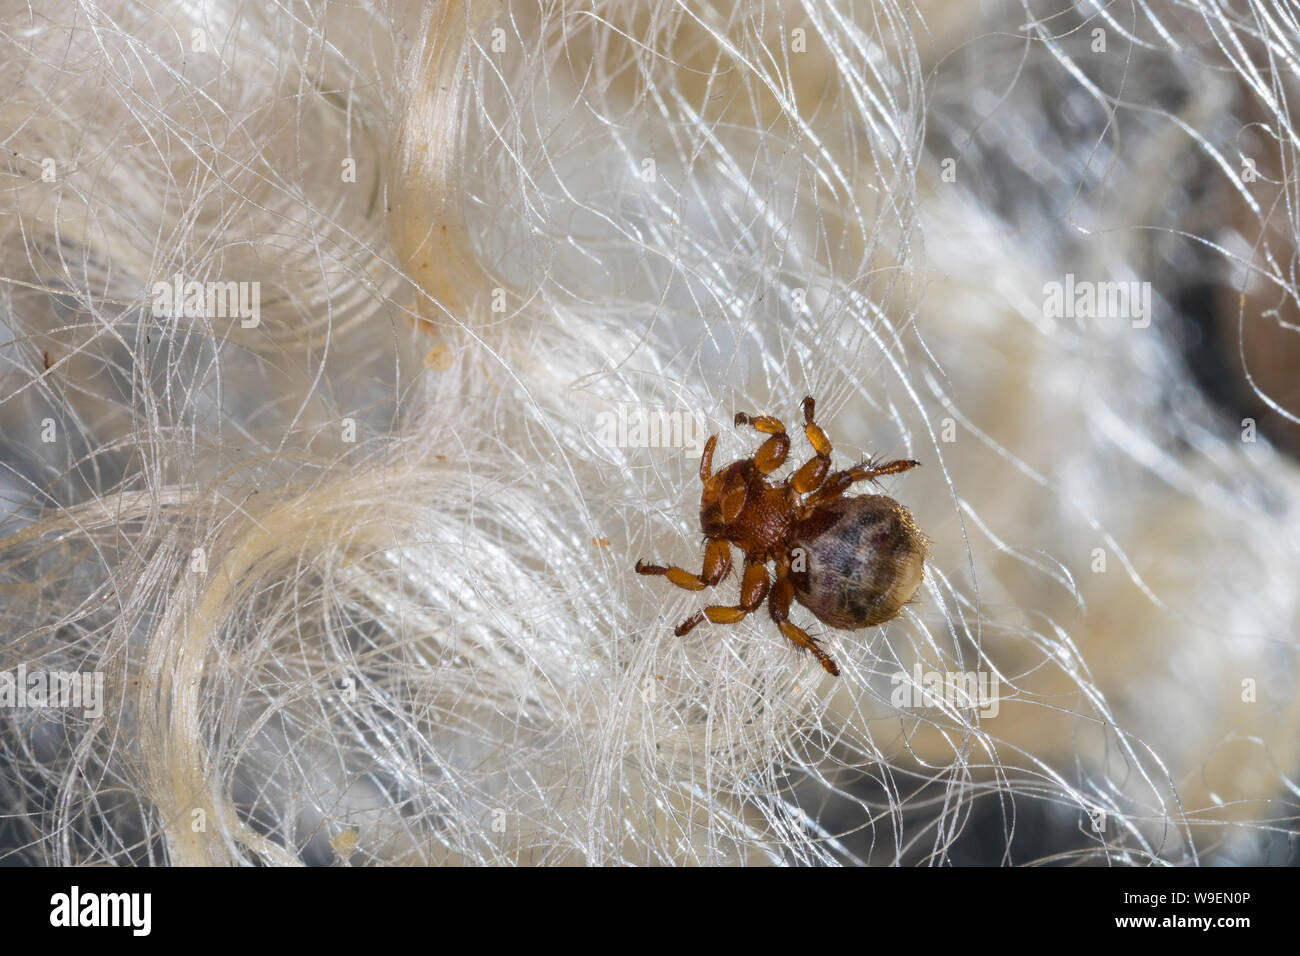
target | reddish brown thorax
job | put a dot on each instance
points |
(740, 506)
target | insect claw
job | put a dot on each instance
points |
(684, 628)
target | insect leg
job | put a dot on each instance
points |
(771, 454)
(838, 483)
(778, 605)
(706, 460)
(813, 471)
(717, 562)
(753, 588)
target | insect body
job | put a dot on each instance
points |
(853, 561)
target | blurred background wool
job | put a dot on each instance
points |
(350, 541)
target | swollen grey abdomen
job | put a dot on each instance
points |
(857, 561)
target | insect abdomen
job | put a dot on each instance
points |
(860, 562)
